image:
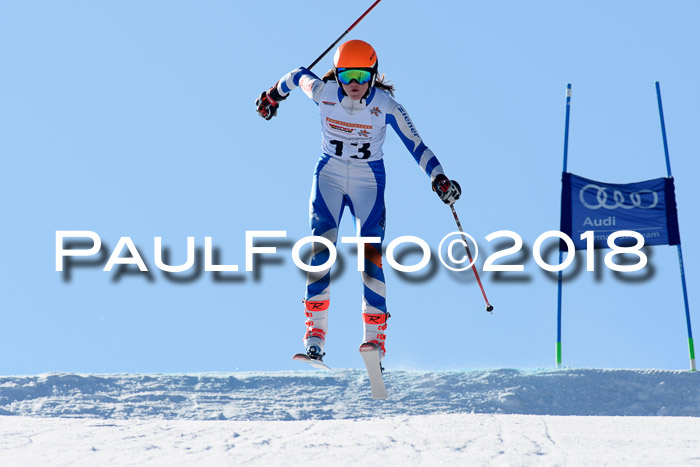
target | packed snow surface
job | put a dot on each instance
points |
(502, 417)
(344, 394)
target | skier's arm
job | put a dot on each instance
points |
(309, 83)
(268, 102)
(448, 190)
(398, 118)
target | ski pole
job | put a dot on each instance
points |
(315, 62)
(489, 307)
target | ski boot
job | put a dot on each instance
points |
(375, 326)
(315, 353)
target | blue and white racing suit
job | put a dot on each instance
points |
(350, 173)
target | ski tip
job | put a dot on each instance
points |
(302, 357)
(368, 347)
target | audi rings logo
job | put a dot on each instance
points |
(644, 199)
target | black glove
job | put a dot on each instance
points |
(268, 102)
(448, 191)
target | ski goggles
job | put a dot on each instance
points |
(347, 75)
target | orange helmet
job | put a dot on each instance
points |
(356, 54)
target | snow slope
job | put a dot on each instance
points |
(487, 417)
(343, 394)
(457, 439)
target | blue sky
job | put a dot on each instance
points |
(137, 119)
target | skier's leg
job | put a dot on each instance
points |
(325, 210)
(367, 203)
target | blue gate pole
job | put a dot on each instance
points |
(559, 282)
(691, 346)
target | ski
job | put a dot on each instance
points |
(370, 354)
(302, 357)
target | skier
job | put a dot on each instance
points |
(356, 105)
